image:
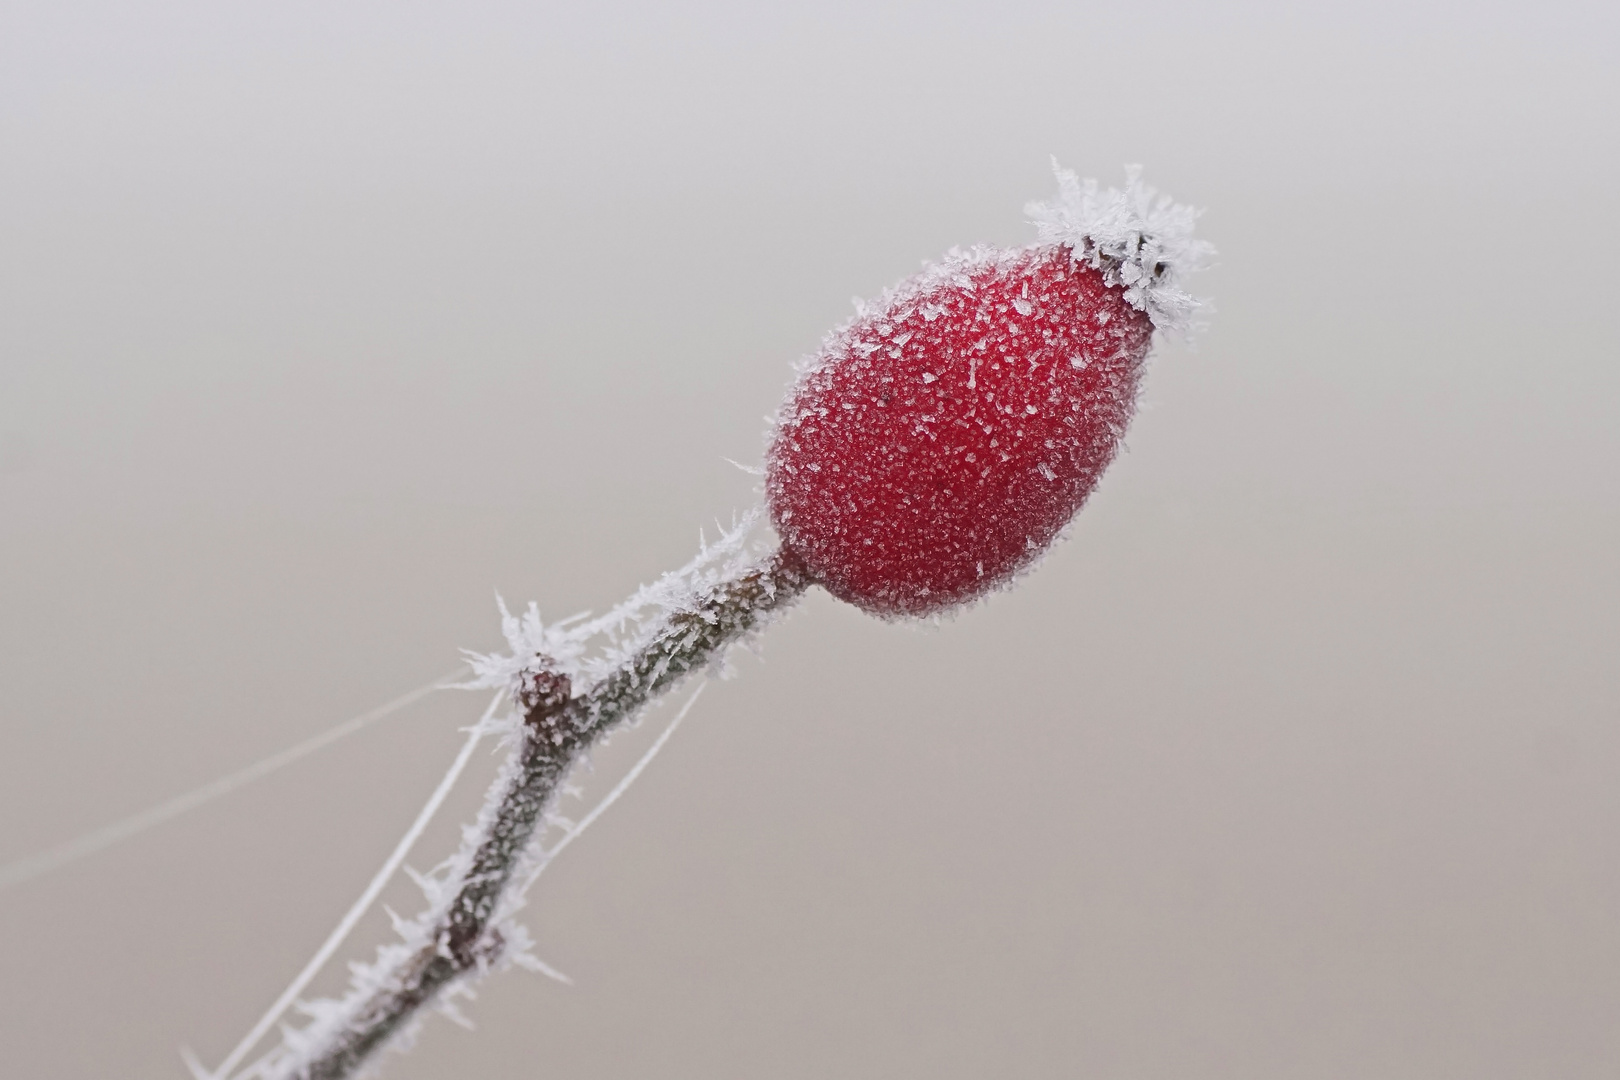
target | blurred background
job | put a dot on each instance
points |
(320, 324)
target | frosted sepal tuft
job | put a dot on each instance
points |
(1140, 240)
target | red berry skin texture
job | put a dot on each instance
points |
(941, 440)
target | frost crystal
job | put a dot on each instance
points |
(566, 647)
(1139, 240)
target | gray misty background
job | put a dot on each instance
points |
(320, 323)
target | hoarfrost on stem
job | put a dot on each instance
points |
(565, 647)
(569, 685)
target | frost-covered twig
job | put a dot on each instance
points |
(468, 931)
(545, 857)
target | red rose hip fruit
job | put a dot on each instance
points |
(940, 441)
(947, 437)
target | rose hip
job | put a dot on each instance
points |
(940, 441)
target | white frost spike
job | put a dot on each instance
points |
(588, 650)
(1140, 240)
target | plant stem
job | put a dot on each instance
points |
(559, 728)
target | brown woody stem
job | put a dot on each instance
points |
(559, 729)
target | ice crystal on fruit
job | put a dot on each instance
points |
(1141, 240)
